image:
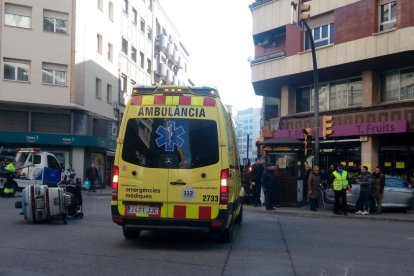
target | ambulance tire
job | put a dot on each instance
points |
(239, 217)
(131, 233)
(226, 235)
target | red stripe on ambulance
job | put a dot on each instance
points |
(136, 100)
(184, 100)
(179, 211)
(159, 100)
(204, 212)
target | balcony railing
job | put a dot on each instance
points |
(268, 57)
(258, 3)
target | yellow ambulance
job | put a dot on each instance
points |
(176, 163)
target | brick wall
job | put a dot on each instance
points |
(405, 13)
(355, 21)
(294, 40)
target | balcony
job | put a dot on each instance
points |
(269, 57)
(357, 55)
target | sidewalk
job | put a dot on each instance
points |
(394, 215)
(303, 211)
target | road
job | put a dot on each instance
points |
(267, 243)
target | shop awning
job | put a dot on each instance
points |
(280, 141)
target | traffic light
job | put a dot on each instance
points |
(303, 9)
(327, 124)
(308, 140)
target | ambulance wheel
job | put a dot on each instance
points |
(239, 217)
(226, 235)
(131, 233)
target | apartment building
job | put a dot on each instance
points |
(67, 70)
(365, 51)
(247, 132)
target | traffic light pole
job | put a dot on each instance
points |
(316, 95)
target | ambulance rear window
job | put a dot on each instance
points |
(171, 143)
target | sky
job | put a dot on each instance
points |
(218, 36)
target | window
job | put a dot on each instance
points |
(149, 66)
(322, 36)
(199, 144)
(54, 74)
(303, 99)
(125, 7)
(110, 52)
(397, 85)
(18, 16)
(55, 22)
(134, 54)
(142, 24)
(142, 58)
(123, 83)
(100, 5)
(124, 46)
(99, 43)
(98, 88)
(16, 70)
(111, 11)
(149, 33)
(108, 93)
(134, 16)
(387, 16)
(345, 94)
(332, 96)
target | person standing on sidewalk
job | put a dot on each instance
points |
(92, 175)
(268, 182)
(365, 181)
(340, 185)
(257, 172)
(277, 187)
(378, 184)
(314, 182)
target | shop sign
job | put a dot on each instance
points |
(363, 129)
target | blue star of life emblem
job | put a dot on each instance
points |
(169, 136)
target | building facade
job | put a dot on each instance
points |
(68, 68)
(247, 132)
(365, 51)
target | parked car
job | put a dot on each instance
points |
(397, 194)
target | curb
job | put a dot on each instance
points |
(327, 213)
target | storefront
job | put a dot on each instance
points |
(75, 150)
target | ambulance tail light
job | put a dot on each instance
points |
(115, 183)
(224, 186)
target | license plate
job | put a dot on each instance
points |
(142, 209)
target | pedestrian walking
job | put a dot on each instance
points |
(340, 185)
(378, 183)
(92, 175)
(257, 172)
(365, 181)
(314, 182)
(268, 182)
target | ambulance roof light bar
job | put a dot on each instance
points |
(177, 90)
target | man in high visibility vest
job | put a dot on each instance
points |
(10, 185)
(340, 185)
